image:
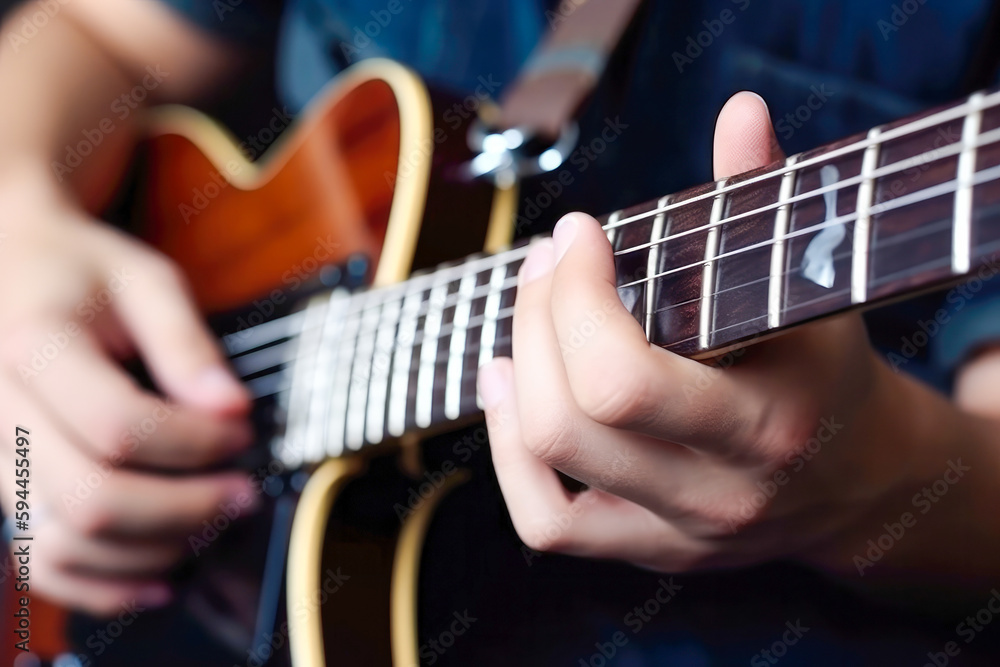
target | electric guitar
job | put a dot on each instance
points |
(349, 381)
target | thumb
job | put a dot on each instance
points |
(744, 136)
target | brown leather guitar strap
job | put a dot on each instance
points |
(564, 70)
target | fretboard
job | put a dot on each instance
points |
(907, 207)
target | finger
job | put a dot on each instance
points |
(546, 516)
(102, 597)
(744, 136)
(671, 480)
(120, 422)
(107, 558)
(155, 306)
(100, 499)
(616, 377)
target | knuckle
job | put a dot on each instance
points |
(91, 520)
(611, 401)
(553, 442)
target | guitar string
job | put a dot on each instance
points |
(986, 104)
(518, 252)
(278, 373)
(987, 139)
(949, 187)
(507, 313)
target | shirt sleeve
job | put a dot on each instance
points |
(241, 21)
(973, 322)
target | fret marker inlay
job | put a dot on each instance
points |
(818, 264)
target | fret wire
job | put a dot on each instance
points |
(962, 233)
(379, 388)
(399, 390)
(706, 311)
(782, 223)
(339, 397)
(428, 354)
(862, 225)
(653, 264)
(487, 335)
(291, 449)
(330, 334)
(456, 352)
(611, 228)
(360, 383)
(910, 128)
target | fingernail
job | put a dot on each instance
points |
(563, 235)
(154, 596)
(539, 262)
(493, 384)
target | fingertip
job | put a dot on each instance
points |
(494, 382)
(216, 390)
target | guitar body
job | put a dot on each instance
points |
(370, 172)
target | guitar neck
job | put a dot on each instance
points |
(904, 208)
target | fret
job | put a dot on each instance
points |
(339, 396)
(612, 228)
(400, 387)
(322, 379)
(743, 261)
(986, 196)
(782, 223)
(708, 275)
(381, 369)
(456, 355)
(962, 226)
(360, 381)
(678, 277)
(492, 309)
(292, 446)
(658, 231)
(428, 352)
(862, 225)
(632, 246)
